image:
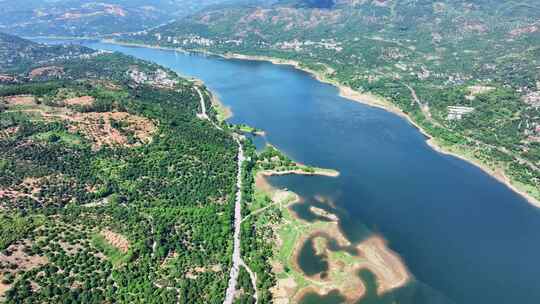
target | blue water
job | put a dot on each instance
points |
(465, 237)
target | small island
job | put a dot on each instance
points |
(274, 162)
(246, 129)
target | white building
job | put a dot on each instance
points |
(457, 112)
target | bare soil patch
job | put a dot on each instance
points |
(46, 71)
(262, 183)
(81, 101)
(216, 102)
(283, 290)
(329, 173)
(18, 257)
(117, 240)
(106, 84)
(20, 100)
(524, 30)
(13, 194)
(477, 90)
(115, 10)
(372, 254)
(194, 272)
(3, 289)
(6, 78)
(96, 126)
(33, 184)
(8, 132)
(321, 212)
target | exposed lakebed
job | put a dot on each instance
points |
(465, 237)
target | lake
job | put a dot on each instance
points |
(464, 236)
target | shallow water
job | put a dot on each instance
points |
(465, 237)
(311, 262)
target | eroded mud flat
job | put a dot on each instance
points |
(326, 266)
(341, 262)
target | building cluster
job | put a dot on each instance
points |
(297, 45)
(533, 132)
(533, 99)
(71, 56)
(457, 112)
(424, 74)
(6, 78)
(184, 41)
(158, 79)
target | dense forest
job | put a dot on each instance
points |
(464, 71)
(111, 189)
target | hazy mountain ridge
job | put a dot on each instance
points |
(88, 18)
(17, 53)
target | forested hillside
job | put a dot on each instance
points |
(467, 72)
(111, 189)
(18, 54)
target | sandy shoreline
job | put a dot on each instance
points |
(364, 98)
(224, 111)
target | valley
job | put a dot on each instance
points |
(209, 152)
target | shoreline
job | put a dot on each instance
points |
(317, 172)
(223, 112)
(379, 102)
(499, 176)
(363, 98)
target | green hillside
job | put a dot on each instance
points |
(108, 194)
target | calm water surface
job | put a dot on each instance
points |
(465, 237)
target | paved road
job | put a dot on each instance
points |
(424, 107)
(203, 114)
(236, 258)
